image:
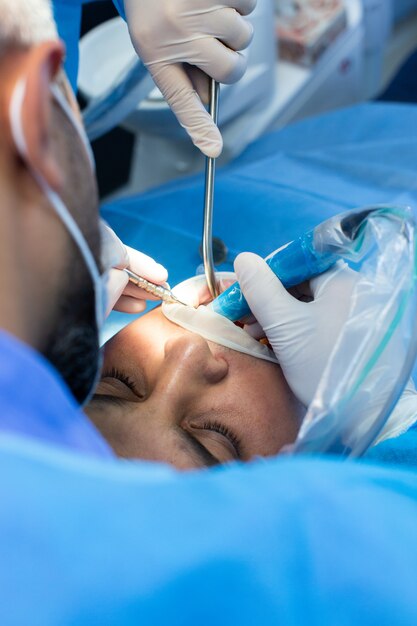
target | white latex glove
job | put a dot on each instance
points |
(303, 334)
(122, 295)
(205, 35)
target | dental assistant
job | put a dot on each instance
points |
(181, 43)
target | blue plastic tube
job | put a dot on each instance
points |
(293, 263)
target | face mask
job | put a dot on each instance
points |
(16, 105)
(99, 279)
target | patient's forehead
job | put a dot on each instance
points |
(144, 338)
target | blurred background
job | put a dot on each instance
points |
(307, 57)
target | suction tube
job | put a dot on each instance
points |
(301, 259)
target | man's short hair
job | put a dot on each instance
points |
(25, 23)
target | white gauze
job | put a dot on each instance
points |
(210, 325)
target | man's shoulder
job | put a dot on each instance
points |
(36, 403)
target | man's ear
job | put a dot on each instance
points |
(40, 66)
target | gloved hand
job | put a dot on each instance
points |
(122, 295)
(206, 35)
(302, 334)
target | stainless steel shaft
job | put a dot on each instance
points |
(209, 200)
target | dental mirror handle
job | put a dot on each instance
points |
(209, 200)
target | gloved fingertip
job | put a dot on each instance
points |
(207, 137)
(132, 306)
(210, 148)
(161, 273)
(137, 307)
(248, 263)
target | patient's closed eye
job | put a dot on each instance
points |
(119, 382)
(218, 439)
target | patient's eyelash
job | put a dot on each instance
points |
(115, 373)
(226, 432)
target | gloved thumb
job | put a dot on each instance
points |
(266, 296)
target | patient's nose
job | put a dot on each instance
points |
(188, 359)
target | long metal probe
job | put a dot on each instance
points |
(209, 200)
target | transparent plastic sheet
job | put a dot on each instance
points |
(373, 357)
(375, 352)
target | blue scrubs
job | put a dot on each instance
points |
(36, 404)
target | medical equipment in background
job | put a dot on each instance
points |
(106, 56)
(271, 94)
(306, 29)
(111, 107)
(401, 9)
(378, 23)
(207, 243)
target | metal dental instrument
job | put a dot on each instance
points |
(209, 200)
(160, 292)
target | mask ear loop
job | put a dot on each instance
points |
(63, 103)
(15, 112)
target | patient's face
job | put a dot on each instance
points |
(167, 394)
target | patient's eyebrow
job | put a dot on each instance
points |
(206, 458)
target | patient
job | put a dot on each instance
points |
(168, 394)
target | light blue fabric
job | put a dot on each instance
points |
(36, 404)
(294, 542)
(400, 451)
